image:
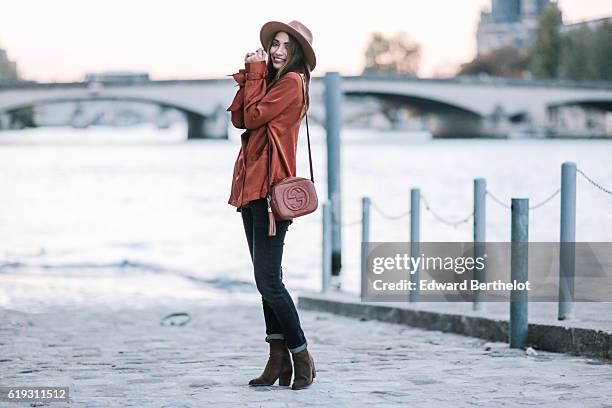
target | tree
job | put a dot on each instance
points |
(602, 52)
(397, 54)
(575, 59)
(546, 51)
(586, 53)
(505, 61)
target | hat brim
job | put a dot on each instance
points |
(269, 29)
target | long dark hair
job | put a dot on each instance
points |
(296, 62)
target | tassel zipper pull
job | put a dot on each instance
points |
(271, 221)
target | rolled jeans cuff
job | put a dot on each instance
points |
(275, 336)
(299, 348)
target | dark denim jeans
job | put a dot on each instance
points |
(282, 321)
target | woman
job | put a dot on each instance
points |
(270, 103)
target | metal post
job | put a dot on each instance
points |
(415, 238)
(333, 124)
(519, 326)
(365, 239)
(480, 191)
(567, 250)
(326, 249)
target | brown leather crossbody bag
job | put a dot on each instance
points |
(291, 197)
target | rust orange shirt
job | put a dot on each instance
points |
(273, 116)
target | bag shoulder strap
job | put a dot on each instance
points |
(308, 137)
(307, 130)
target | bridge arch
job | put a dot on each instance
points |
(428, 104)
(604, 104)
(579, 116)
(93, 98)
(196, 120)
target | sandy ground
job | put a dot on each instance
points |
(101, 336)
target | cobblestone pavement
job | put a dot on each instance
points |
(125, 357)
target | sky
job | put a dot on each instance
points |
(61, 40)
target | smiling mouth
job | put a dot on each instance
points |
(278, 60)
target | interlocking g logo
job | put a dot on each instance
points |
(295, 198)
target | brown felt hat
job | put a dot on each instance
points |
(297, 30)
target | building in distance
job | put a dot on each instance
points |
(8, 68)
(509, 23)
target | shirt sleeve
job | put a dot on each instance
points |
(261, 107)
(237, 106)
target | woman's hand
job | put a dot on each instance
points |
(259, 55)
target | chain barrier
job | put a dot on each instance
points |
(465, 219)
(532, 207)
(345, 224)
(389, 216)
(599, 186)
(557, 191)
(442, 220)
(358, 221)
(497, 200)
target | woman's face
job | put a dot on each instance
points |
(279, 50)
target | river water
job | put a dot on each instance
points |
(143, 199)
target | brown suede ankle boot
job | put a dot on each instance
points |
(278, 366)
(305, 371)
